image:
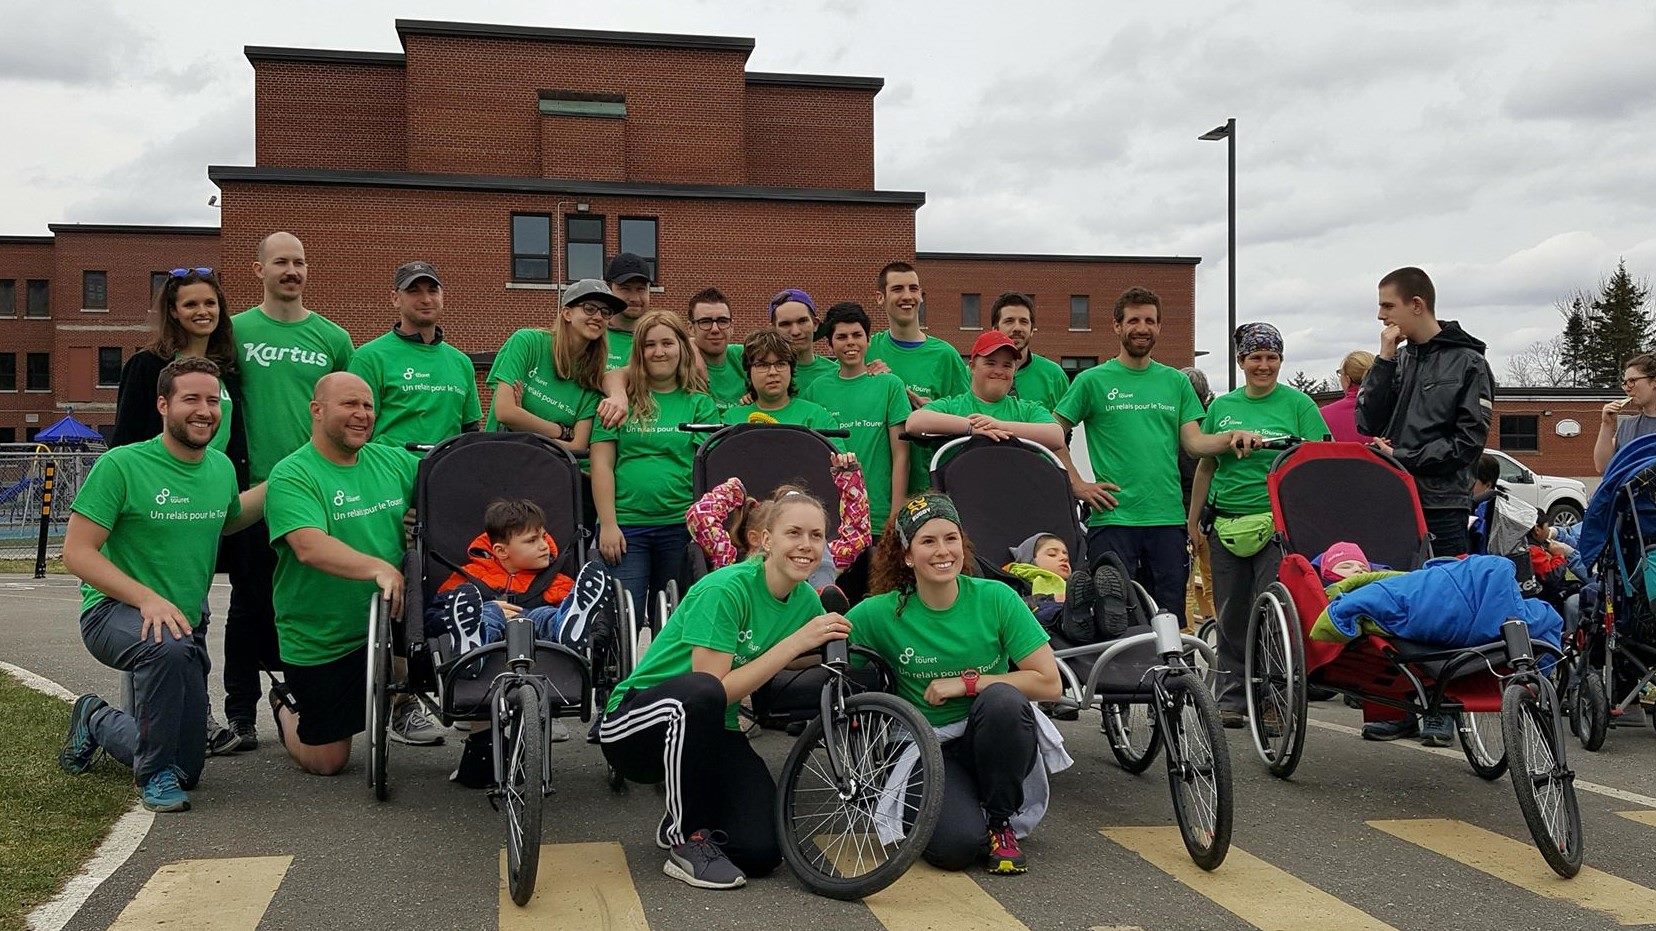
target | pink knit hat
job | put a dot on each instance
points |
(1339, 553)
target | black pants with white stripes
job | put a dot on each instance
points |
(674, 733)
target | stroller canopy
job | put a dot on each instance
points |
(1596, 525)
(1327, 493)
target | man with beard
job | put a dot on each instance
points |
(425, 390)
(1137, 413)
(1039, 379)
(929, 367)
(143, 536)
(710, 328)
(335, 510)
(628, 277)
(283, 348)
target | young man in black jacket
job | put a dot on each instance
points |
(1427, 402)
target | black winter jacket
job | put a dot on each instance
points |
(1432, 403)
(137, 420)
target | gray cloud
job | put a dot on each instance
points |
(93, 44)
(167, 181)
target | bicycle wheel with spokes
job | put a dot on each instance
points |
(1198, 767)
(847, 841)
(523, 761)
(1540, 777)
(1134, 737)
(1483, 743)
(1273, 677)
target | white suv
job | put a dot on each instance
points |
(1563, 500)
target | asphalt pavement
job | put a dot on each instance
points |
(1364, 836)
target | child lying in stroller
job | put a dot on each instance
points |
(509, 573)
(1042, 560)
(1079, 607)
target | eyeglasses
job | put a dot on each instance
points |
(1630, 382)
(712, 323)
(187, 272)
(594, 309)
(768, 366)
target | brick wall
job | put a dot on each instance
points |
(1051, 283)
(23, 259)
(810, 137)
(330, 115)
(591, 148)
(1555, 455)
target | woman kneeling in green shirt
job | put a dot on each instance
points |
(674, 719)
(952, 640)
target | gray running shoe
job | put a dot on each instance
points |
(701, 862)
(410, 725)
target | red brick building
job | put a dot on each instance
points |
(515, 158)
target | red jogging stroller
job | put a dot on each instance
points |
(1324, 493)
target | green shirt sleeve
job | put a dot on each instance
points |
(366, 365)
(342, 350)
(602, 434)
(510, 364)
(1312, 426)
(1190, 406)
(100, 497)
(473, 411)
(1076, 403)
(897, 405)
(713, 621)
(957, 379)
(291, 504)
(1030, 412)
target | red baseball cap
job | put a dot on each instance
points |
(990, 341)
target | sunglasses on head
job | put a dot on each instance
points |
(187, 272)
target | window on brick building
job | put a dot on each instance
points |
(531, 247)
(1075, 365)
(638, 236)
(583, 103)
(29, 434)
(94, 290)
(583, 246)
(39, 374)
(109, 366)
(8, 371)
(40, 298)
(8, 434)
(1520, 433)
(971, 311)
(1080, 312)
(158, 280)
(8, 298)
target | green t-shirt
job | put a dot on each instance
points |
(1041, 380)
(227, 410)
(797, 411)
(987, 628)
(727, 383)
(620, 348)
(280, 364)
(654, 459)
(527, 358)
(730, 610)
(821, 365)
(867, 406)
(1133, 418)
(164, 518)
(931, 370)
(1239, 484)
(321, 617)
(1009, 409)
(423, 392)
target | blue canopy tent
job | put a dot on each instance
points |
(68, 432)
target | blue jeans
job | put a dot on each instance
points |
(1155, 551)
(547, 618)
(654, 555)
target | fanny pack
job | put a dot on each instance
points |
(1246, 535)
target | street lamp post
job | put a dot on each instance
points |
(1228, 133)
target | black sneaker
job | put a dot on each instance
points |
(701, 862)
(585, 600)
(1111, 608)
(476, 769)
(221, 740)
(1076, 622)
(466, 619)
(247, 736)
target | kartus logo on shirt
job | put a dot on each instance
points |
(264, 354)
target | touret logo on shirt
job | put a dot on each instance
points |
(1228, 422)
(1116, 394)
(409, 373)
(908, 656)
(264, 354)
(165, 496)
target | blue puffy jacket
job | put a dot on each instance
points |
(1450, 603)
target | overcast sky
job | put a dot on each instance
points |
(1504, 146)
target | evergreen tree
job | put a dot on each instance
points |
(1575, 345)
(1621, 326)
(1308, 384)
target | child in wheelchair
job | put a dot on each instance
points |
(510, 572)
(1043, 562)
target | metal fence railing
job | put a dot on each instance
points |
(23, 486)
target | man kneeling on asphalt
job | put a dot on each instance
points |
(143, 537)
(335, 513)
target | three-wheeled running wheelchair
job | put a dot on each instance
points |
(1145, 683)
(1378, 509)
(517, 684)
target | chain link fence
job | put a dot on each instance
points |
(22, 485)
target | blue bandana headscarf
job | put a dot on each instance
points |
(1258, 337)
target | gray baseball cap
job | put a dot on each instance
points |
(594, 289)
(411, 272)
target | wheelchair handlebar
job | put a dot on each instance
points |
(837, 433)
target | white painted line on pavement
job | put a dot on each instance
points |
(118, 845)
(1582, 784)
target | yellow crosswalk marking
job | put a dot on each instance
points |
(1646, 816)
(211, 895)
(1520, 864)
(930, 899)
(1246, 886)
(579, 886)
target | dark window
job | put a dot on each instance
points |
(1520, 432)
(1080, 312)
(39, 376)
(109, 366)
(638, 236)
(158, 280)
(8, 372)
(580, 103)
(1074, 365)
(29, 434)
(94, 290)
(583, 246)
(40, 298)
(8, 434)
(531, 247)
(8, 298)
(971, 311)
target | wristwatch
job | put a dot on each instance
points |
(970, 677)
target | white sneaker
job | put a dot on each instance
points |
(410, 725)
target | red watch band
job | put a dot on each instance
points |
(970, 677)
